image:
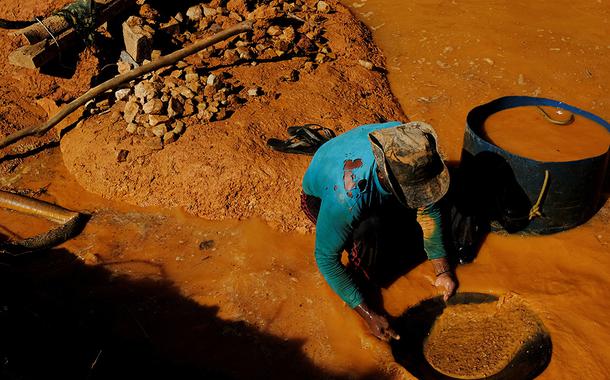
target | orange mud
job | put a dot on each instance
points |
(525, 132)
(446, 57)
(134, 292)
(474, 341)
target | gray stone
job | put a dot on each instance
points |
(212, 80)
(256, 91)
(169, 137)
(123, 67)
(191, 77)
(171, 27)
(243, 52)
(154, 120)
(186, 92)
(176, 74)
(236, 16)
(130, 111)
(194, 86)
(142, 119)
(178, 127)
(231, 56)
(122, 94)
(194, 13)
(288, 34)
(159, 130)
(189, 108)
(209, 12)
(154, 55)
(209, 90)
(366, 64)
(131, 128)
(138, 39)
(274, 30)
(174, 108)
(205, 115)
(145, 91)
(323, 7)
(153, 106)
(172, 82)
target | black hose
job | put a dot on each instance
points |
(9, 24)
(46, 240)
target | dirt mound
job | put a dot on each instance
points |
(223, 169)
(474, 341)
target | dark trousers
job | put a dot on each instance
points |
(385, 244)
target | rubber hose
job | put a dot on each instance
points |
(9, 24)
(35, 207)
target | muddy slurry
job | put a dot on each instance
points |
(475, 341)
(526, 132)
(194, 136)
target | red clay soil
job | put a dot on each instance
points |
(224, 169)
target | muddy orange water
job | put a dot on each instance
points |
(254, 304)
(524, 131)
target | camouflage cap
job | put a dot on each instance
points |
(407, 155)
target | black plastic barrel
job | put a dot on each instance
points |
(506, 186)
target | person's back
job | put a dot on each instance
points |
(342, 174)
(349, 179)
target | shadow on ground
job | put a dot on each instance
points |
(60, 318)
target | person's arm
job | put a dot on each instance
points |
(378, 324)
(429, 218)
(332, 231)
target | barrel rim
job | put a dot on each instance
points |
(476, 117)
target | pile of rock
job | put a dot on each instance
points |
(156, 105)
(301, 33)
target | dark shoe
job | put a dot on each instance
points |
(303, 140)
(316, 130)
(293, 145)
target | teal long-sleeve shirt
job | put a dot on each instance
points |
(343, 175)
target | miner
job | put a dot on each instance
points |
(360, 189)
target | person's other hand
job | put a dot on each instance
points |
(380, 327)
(447, 283)
(377, 324)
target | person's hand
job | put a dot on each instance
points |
(447, 283)
(377, 324)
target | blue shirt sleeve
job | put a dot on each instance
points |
(429, 218)
(331, 235)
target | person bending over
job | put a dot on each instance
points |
(351, 183)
